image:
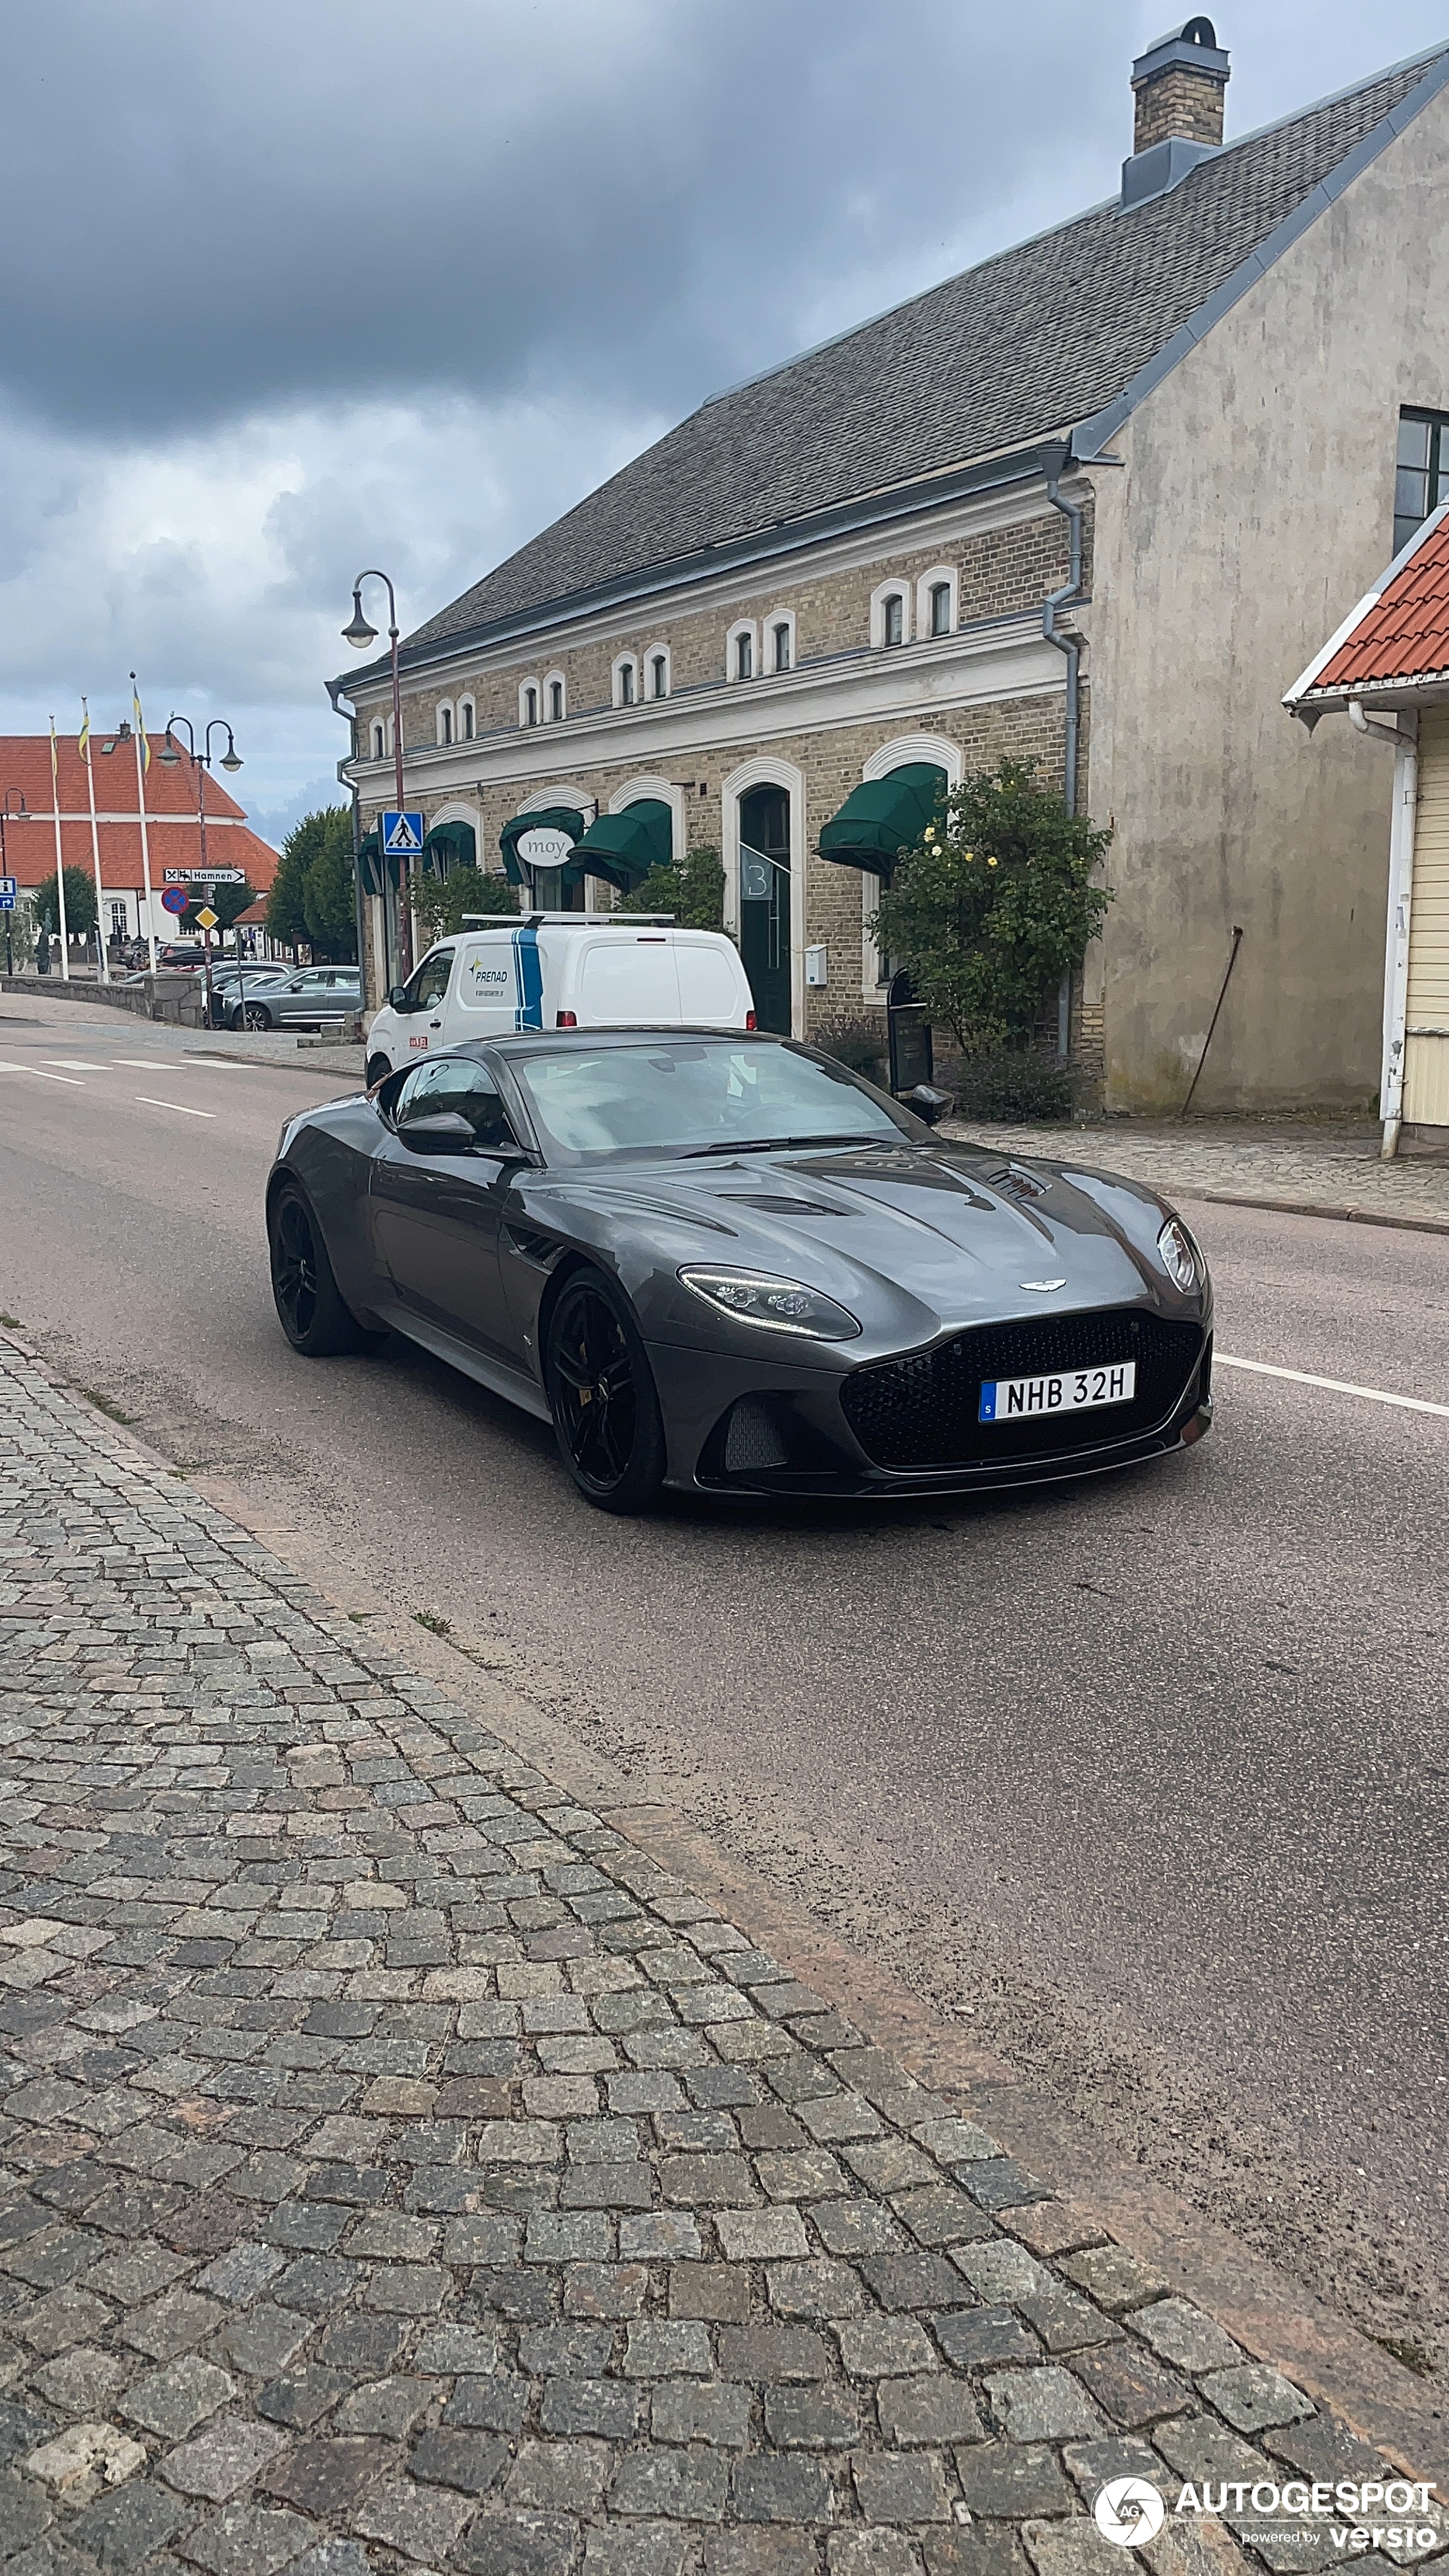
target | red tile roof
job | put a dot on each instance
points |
(172, 830)
(1400, 633)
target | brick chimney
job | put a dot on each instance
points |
(1177, 89)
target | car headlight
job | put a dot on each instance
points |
(781, 1305)
(1181, 1258)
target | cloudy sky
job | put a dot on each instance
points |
(319, 283)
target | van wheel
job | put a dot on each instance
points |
(601, 1394)
(378, 1070)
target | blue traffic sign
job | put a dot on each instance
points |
(174, 898)
(7, 894)
(402, 835)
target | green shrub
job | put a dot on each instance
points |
(1018, 1085)
(858, 1043)
(694, 893)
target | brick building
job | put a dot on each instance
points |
(1088, 502)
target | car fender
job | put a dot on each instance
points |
(331, 1171)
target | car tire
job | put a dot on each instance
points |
(252, 1015)
(378, 1070)
(308, 1300)
(602, 1396)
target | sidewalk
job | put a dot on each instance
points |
(1331, 1169)
(405, 2171)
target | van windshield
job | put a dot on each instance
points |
(697, 1096)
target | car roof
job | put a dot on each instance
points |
(524, 1042)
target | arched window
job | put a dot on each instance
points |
(445, 725)
(895, 619)
(379, 742)
(764, 827)
(783, 643)
(744, 656)
(936, 601)
(528, 703)
(558, 704)
(465, 719)
(890, 614)
(659, 675)
(940, 608)
(626, 680)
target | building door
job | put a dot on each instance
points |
(765, 903)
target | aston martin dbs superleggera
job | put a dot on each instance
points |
(720, 1261)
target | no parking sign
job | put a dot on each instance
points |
(174, 898)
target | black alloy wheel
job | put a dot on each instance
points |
(601, 1392)
(308, 1300)
(252, 1015)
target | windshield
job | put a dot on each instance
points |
(695, 1096)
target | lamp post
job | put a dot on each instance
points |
(201, 762)
(359, 635)
(20, 814)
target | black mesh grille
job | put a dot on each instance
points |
(921, 1412)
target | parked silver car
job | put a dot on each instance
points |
(312, 998)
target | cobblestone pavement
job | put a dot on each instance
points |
(401, 2170)
(1332, 1168)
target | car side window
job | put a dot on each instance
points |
(430, 982)
(457, 1084)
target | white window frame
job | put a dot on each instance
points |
(658, 653)
(467, 730)
(765, 771)
(445, 723)
(624, 662)
(523, 717)
(742, 626)
(940, 576)
(554, 680)
(379, 738)
(907, 747)
(777, 618)
(885, 590)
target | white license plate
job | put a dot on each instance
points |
(1020, 1399)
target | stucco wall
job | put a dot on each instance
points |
(1253, 507)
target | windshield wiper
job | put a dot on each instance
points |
(781, 1144)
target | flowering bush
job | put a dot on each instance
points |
(994, 904)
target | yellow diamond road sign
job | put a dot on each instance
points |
(208, 919)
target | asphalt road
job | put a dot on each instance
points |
(1148, 1778)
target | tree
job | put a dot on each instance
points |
(311, 895)
(80, 903)
(286, 918)
(994, 905)
(693, 892)
(440, 902)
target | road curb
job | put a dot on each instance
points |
(1316, 1207)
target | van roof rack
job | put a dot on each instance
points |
(579, 920)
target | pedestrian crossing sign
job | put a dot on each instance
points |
(402, 835)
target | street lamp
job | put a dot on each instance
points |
(359, 635)
(21, 814)
(201, 762)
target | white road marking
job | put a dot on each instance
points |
(1335, 1385)
(75, 1064)
(42, 1076)
(178, 1105)
(151, 1064)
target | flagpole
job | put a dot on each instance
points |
(85, 753)
(59, 864)
(145, 844)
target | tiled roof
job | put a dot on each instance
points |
(1025, 346)
(175, 840)
(1403, 633)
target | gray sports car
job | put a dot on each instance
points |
(723, 1262)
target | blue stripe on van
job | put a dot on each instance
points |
(529, 968)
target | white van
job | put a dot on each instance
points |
(561, 970)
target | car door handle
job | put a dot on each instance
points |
(435, 1024)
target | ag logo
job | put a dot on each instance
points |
(1129, 2511)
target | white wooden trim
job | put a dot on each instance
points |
(742, 626)
(554, 680)
(896, 588)
(653, 653)
(530, 681)
(621, 663)
(768, 624)
(927, 582)
(764, 771)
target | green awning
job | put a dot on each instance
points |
(449, 845)
(622, 848)
(371, 866)
(883, 817)
(545, 818)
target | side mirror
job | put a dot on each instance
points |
(397, 998)
(446, 1132)
(929, 1103)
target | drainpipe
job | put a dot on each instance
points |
(1404, 738)
(359, 901)
(1068, 596)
